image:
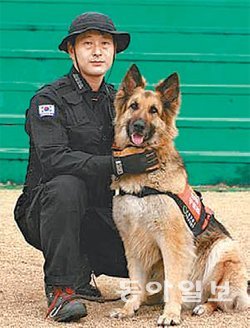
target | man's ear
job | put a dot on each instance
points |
(132, 80)
(71, 50)
(169, 90)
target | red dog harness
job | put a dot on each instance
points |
(196, 214)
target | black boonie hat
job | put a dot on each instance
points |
(95, 21)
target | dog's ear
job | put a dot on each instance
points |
(169, 90)
(132, 80)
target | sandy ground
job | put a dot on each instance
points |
(22, 301)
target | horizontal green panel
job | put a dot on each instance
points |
(213, 139)
(13, 136)
(210, 105)
(188, 156)
(200, 171)
(215, 90)
(175, 15)
(192, 122)
(16, 88)
(14, 102)
(12, 170)
(193, 105)
(215, 156)
(212, 123)
(22, 86)
(141, 41)
(14, 153)
(229, 3)
(192, 137)
(188, 31)
(198, 105)
(191, 73)
(198, 42)
(12, 119)
(136, 56)
(35, 71)
(187, 57)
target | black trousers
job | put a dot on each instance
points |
(75, 238)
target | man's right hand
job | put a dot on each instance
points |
(136, 163)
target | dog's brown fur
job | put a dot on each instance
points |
(157, 241)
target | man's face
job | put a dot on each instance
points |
(94, 51)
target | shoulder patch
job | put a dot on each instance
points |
(46, 110)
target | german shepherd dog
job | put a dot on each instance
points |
(160, 246)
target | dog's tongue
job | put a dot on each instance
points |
(137, 139)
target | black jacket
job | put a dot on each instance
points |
(71, 132)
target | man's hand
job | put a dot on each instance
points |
(135, 164)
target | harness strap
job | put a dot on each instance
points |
(197, 222)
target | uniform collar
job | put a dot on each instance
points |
(82, 85)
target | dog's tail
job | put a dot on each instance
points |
(242, 301)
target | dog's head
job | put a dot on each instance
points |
(145, 118)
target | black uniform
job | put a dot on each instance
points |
(66, 206)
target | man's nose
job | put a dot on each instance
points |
(97, 50)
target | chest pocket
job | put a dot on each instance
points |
(84, 134)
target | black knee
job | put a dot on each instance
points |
(67, 191)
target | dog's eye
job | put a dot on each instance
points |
(134, 106)
(153, 110)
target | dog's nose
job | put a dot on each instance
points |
(139, 125)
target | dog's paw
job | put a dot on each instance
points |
(199, 310)
(169, 320)
(203, 309)
(120, 313)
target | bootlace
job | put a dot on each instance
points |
(66, 295)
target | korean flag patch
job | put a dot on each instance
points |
(46, 110)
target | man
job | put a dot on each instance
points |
(65, 209)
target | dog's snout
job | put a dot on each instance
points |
(139, 125)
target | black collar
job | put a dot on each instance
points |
(145, 191)
(82, 85)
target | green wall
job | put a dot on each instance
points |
(206, 42)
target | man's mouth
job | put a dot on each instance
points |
(97, 62)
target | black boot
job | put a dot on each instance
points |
(64, 305)
(89, 292)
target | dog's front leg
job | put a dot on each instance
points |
(138, 279)
(173, 273)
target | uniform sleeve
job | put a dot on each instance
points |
(49, 136)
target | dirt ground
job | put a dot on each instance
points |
(22, 301)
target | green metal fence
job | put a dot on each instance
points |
(206, 42)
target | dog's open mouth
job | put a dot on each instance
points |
(137, 139)
(139, 132)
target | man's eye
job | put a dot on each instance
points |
(134, 106)
(153, 110)
(106, 43)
